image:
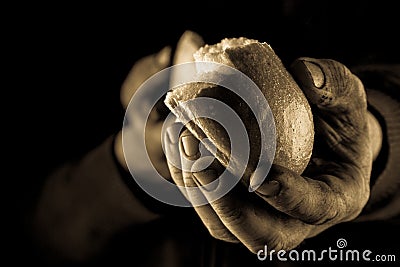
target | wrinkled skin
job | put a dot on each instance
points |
(288, 208)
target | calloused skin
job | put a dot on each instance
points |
(89, 196)
(289, 208)
(333, 189)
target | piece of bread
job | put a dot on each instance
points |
(290, 109)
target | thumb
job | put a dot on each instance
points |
(187, 45)
(142, 70)
(339, 106)
(329, 84)
(310, 200)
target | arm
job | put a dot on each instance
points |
(382, 84)
(85, 203)
(336, 188)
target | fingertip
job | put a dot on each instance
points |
(279, 178)
(189, 145)
(258, 177)
(187, 45)
(163, 57)
(309, 72)
(172, 133)
(269, 189)
(170, 144)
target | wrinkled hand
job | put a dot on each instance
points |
(288, 208)
(140, 72)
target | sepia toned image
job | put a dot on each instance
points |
(240, 134)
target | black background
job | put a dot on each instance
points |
(68, 62)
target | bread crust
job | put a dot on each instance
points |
(292, 113)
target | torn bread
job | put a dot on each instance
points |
(291, 111)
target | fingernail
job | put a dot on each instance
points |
(207, 179)
(172, 154)
(269, 189)
(317, 75)
(190, 145)
(258, 177)
(173, 134)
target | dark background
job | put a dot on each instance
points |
(68, 62)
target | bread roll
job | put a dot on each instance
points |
(291, 111)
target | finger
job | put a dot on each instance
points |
(187, 45)
(340, 112)
(141, 71)
(189, 151)
(171, 149)
(329, 84)
(314, 201)
(253, 222)
(189, 148)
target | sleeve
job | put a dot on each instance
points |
(382, 83)
(85, 203)
(150, 203)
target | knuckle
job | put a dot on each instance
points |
(354, 203)
(275, 241)
(256, 248)
(188, 180)
(222, 234)
(359, 202)
(287, 236)
(328, 210)
(282, 241)
(234, 216)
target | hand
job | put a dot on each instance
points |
(288, 208)
(140, 72)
